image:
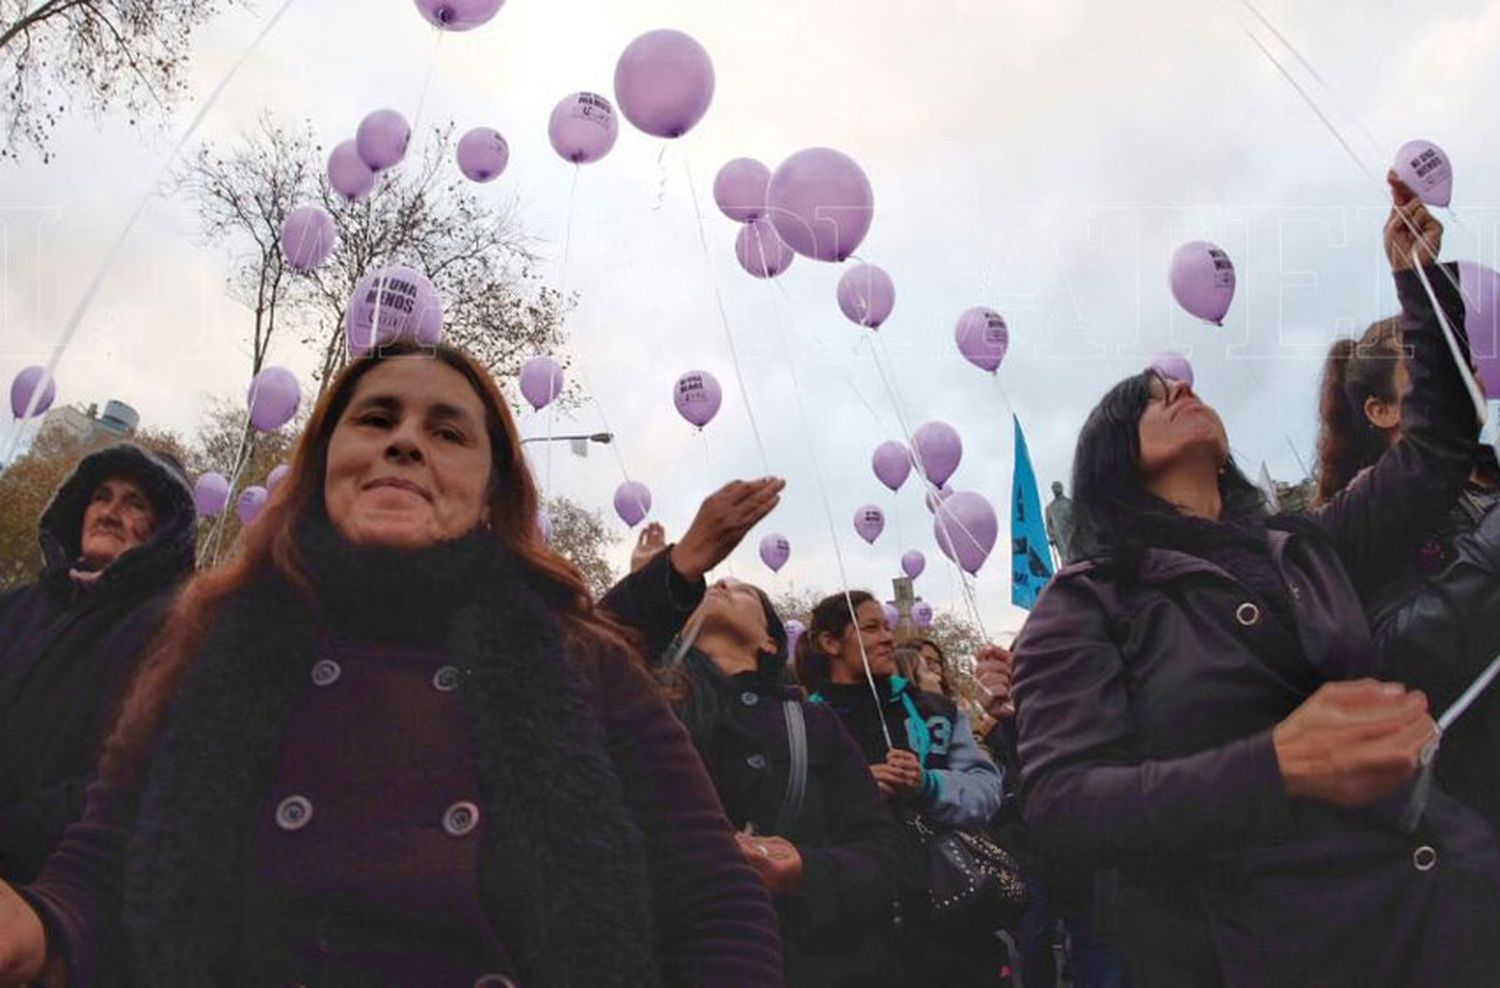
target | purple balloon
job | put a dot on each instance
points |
(921, 614)
(429, 331)
(982, 338)
(389, 304)
(794, 631)
(867, 295)
(251, 500)
(632, 502)
(966, 528)
(740, 189)
(821, 203)
(382, 139)
(761, 251)
(869, 522)
(664, 82)
(348, 173)
(1173, 367)
(697, 396)
(1202, 280)
(23, 392)
(913, 563)
(544, 525)
(483, 154)
(775, 550)
(273, 398)
(541, 381)
(276, 476)
(892, 463)
(938, 451)
(307, 237)
(1427, 171)
(459, 15)
(210, 494)
(936, 496)
(583, 128)
(1480, 288)
(892, 615)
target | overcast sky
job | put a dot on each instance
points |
(1042, 159)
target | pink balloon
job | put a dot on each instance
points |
(775, 550)
(913, 563)
(458, 15)
(632, 502)
(482, 154)
(740, 189)
(664, 82)
(541, 381)
(921, 614)
(583, 128)
(307, 237)
(821, 203)
(276, 476)
(867, 295)
(966, 528)
(982, 338)
(1480, 287)
(1427, 171)
(937, 496)
(892, 615)
(273, 398)
(938, 451)
(1173, 367)
(210, 494)
(760, 250)
(389, 304)
(24, 391)
(382, 139)
(869, 522)
(697, 396)
(348, 173)
(1202, 280)
(248, 507)
(892, 463)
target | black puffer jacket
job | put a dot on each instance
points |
(68, 650)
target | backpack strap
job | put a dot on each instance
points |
(796, 778)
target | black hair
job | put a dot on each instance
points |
(831, 616)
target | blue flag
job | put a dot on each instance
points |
(1030, 559)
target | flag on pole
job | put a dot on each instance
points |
(1030, 560)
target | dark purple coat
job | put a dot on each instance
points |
(1146, 702)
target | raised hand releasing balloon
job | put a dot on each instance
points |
(1426, 170)
(390, 304)
(459, 15)
(966, 528)
(775, 550)
(697, 396)
(866, 295)
(938, 451)
(664, 82)
(382, 139)
(821, 203)
(482, 154)
(541, 381)
(1202, 280)
(760, 250)
(1173, 367)
(28, 395)
(273, 399)
(583, 128)
(913, 563)
(348, 173)
(210, 493)
(740, 189)
(869, 522)
(632, 502)
(307, 237)
(982, 337)
(892, 464)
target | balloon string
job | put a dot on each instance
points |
(551, 412)
(662, 178)
(567, 251)
(211, 546)
(708, 471)
(416, 120)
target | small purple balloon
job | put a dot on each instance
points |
(866, 295)
(389, 304)
(1480, 287)
(982, 337)
(1173, 367)
(348, 173)
(821, 203)
(775, 550)
(892, 615)
(250, 503)
(869, 522)
(482, 154)
(697, 396)
(459, 15)
(740, 189)
(23, 392)
(794, 631)
(544, 525)
(307, 237)
(936, 496)
(541, 381)
(913, 563)
(1427, 171)
(632, 502)
(382, 139)
(1202, 280)
(760, 250)
(921, 614)
(583, 128)
(938, 451)
(210, 493)
(966, 528)
(892, 463)
(664, 82)
(273, 398)
(276, 476)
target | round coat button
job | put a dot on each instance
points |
(326, 672)
(294, 813)
(749, 699)
(756, 761)
(1424, 858)
(460, 819)
(1247, 614)
(494, 981)
(445, 680)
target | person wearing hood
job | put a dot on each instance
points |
(117, 542)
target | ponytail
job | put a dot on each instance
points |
(1354, 371)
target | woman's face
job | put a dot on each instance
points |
(409, 462)
(734, 609)
(879, 647)
(1177, 427)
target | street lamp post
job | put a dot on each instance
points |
(603, 438)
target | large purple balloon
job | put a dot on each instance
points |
(273, 398)
(936, 496)
(23, 392)
(459, 15)
(697, 396)
(248, 507)
(541, 381)
(892, 463)
(821, 203)
(348, 173)
(1427, 171)
(938, 451)
(740, 189)
(775, 550)
(389, 304)
(1202, 280)
(1480, 287)
(760, 250)
(307, 237)
(210, 494)
(892, 615)
(867, 295)
(982, 338)
(921, 614)
(632, 502)
(1173, 367)
(913, 563)
(664, 82)
(583, 128)
(869, 522)
(966, 528)
(382, 139)
(482, 154)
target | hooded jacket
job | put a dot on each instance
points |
(68, 650)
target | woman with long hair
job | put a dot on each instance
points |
(1196, 705)
(394, 743)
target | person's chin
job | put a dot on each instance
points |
(101, 551)
(394, 529)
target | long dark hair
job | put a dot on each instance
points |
(1117, 518)
(1354, 371)
(831, 616)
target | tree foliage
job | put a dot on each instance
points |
(584, 538)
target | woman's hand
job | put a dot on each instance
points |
(1410, 227)
(900, 775)
(994, 667)
(23, 940)
(1353, 743)
(653, 539)
(775, 860)
(722, 521)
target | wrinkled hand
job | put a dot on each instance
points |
(1410, 227)
(653, 539)
(23, 941)
(776, 861)
(900, 774)
(994, 667)
(722, 521)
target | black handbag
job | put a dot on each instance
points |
(963, 878)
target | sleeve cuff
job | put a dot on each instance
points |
(683, 593)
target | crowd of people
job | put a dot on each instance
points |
(394, 741)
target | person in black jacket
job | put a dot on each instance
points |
(117, 541)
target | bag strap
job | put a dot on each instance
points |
(796, 778)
